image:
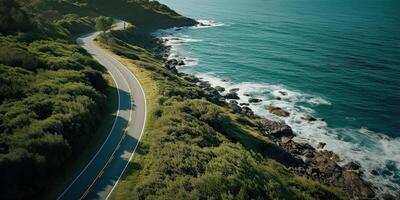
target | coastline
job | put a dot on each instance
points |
(305, 160)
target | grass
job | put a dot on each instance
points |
(240, 130)
(76, 164)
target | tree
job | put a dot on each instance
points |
(103, 23)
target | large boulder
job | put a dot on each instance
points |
(204, 84)
(278, 111)
(219, 88)
(232, 95)
(247, 111)
(308, 118)
(254, 100)
(234, 90)
(190, 78)
(273, 128)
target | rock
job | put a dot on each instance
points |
(247, 111)
(190, 78)
(254, 100)
(283, 93)
(244, 104)
(234, 90)
(219, 88)
(352, 166)
(172, 62)
(309, 118)
(247, 94)
(330, 155)
(321, 145)
(224, 80)
(278, 98)
(374, 172)
(235, 107)
(204, 84)
(273, 128)
(233, 102)
(355, 186)
(232, 95)
(278, 111)
(181, 62)
(285, 139)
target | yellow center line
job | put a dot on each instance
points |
(119, 143)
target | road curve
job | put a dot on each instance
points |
(99, 177)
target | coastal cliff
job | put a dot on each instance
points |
(199, 143)
(194, 128)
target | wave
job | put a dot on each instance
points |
(378, 154)
(202, 23)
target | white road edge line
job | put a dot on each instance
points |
(141, 134)
(109, 133)
(127, 127)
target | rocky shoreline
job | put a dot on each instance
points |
(314, 163)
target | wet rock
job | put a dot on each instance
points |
(283, 93)
(244, 104)
(374, 172)
(181, 62)
(219, 88)
(273, 128)
(254, 100)
(247, 111)
(309, 118)
(278, 98)
(235, 107)
(190, 78)
(172, 62)
(204, 84)
(330, 155)
(321, 145)
(232, 95)
(278, 111)
(247, 94)
(234, 90)
(352, 166)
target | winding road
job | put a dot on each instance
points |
(102, 173)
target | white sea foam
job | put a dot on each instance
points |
(202, 23)
(175, 52)
(377, 153)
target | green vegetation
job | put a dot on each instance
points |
(53, 96)
(195, 149)
(103, 23)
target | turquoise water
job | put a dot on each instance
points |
(336, 59)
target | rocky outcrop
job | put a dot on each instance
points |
(219, 88)
(254, 100)
(278, 111)
(309, 118)
(321, 165)
(232, 95)
(274, 128)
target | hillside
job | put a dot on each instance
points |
(56, 102)
(54, 95)
(194, 146)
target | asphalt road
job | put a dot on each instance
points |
(99, 177)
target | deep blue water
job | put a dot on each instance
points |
(335, 59)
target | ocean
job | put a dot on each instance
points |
(333, 59)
